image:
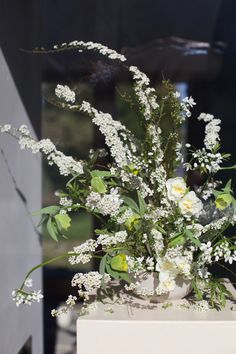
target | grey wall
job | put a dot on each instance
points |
(20, 193)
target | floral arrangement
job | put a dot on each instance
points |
(151, 222)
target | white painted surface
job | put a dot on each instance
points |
(20, 172)
(136, 330)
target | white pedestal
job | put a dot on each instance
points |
(135, 330)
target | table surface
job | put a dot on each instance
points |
(140, 310)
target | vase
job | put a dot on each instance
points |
(150, 282)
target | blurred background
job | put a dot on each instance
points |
(192, 43)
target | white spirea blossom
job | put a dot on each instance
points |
(65, 92)
(111, 130)
(212, 134)
(190, 205)
(23, 297)
(122, 218)
(145, 94)
(158, 242)
(66, 164)
(107, 204)
(64, 201)
(89, 282)
(206, 255)
(186, 104)
(135, 265)
(28, 283)
(5, 128)
(102, 49)
(62, 310)
(113, 239)
(84, 252)
(201, 306)
(223, 251)
(207, 160)
(176, 188)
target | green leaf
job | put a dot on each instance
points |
(142, 204)
(126, 277)
(100, 174)
(159, 228)
(98, 185)
(177, 240)
(102, 266)
(101, 231)
(43, 220)
(197, 291)
(52, 230)
(131, 203)
(132, 221)
(50, 210)
(191, 237)
(72, 179)
(113, 274)
(119, 263)
(227, 188)
(64, 220)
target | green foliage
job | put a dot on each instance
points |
(50, 210)
(119, 263)
(131, 203)
(177, 240)
(63, 221)
(98, 185)
(52, 229)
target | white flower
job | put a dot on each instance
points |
(190, 205)
(23, 297)
(150, 264)
(183, 265)
(64, 201)
(206, 249)
(176, 188)
(84, 252)
(65, 92)
(109, 240)
(189, 101)
(110, 203)
(206, 117)
(28, 283)
(166, 284)
(201, 306)
(5, 128)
